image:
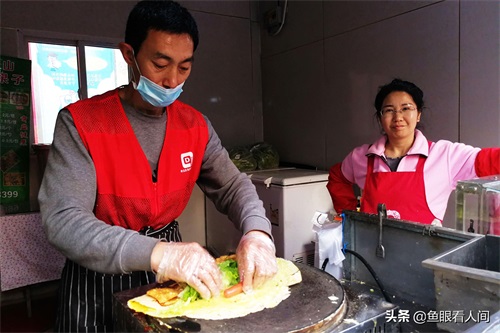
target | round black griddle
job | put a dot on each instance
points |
(307, 309)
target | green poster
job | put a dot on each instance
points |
(15, 90)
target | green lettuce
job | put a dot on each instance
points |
(230, 277)
(189, 294)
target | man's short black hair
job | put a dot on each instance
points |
(161, 15)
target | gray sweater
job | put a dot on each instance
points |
(68, 193)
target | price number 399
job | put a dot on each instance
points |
(9, 194)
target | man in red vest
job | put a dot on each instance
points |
(121, 169)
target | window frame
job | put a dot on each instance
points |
(26, 36)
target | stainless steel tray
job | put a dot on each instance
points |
(406, 245)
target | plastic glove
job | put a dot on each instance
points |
(256, 259)
(190, 263)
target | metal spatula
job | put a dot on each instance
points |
(382, 213)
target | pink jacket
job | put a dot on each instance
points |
(447, 162)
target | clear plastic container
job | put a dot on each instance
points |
(478, 205)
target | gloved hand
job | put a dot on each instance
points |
(256, 259)
(190, 263)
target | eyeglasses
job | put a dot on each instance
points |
(386, 112)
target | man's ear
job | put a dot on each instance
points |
(127, 53)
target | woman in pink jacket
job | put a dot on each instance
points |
(411, 175)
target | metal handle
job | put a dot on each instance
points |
(382, 213)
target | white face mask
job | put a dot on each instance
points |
(154, 94)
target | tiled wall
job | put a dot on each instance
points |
(321, 73)
(309, 90)
(225, 82)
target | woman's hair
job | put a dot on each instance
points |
(400, 85)
(161, 15)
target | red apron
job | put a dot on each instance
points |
(403, 192)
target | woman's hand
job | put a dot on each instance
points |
(256, 259)
(187, 262)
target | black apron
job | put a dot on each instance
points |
(85, 296)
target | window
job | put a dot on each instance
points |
(66, 71)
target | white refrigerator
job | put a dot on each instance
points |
(291, 197)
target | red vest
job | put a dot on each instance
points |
(126, 194)
(400, 191)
